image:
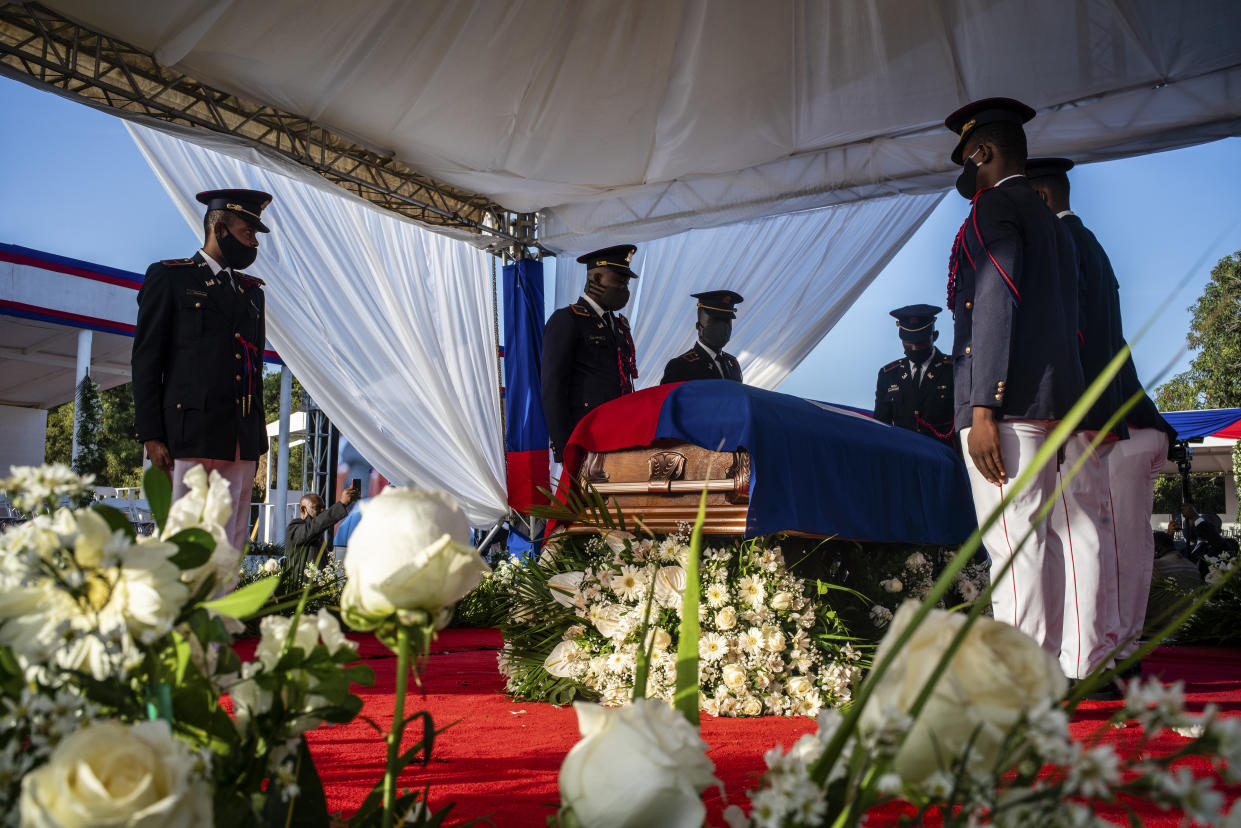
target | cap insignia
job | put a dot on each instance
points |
(968, 125)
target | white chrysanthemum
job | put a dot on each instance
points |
(751, 640)
(34, 487)
(717, 595)
(712, 646)
(630, 583)
(751, 590)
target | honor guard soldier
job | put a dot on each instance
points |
(706, 360)
(1134, 462)
(1012, 289)
(588, 354)
(915, 392)
(198, 355)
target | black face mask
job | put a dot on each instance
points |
(716, 335)
(918, 355)
(967, 181)
(238, 256)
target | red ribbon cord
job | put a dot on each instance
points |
(951, 430)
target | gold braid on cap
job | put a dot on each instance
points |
(930, 324)
(237, 208)
(721, 310)
(968, 126)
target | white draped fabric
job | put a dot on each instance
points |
(387, 325)
(798, 274)
(636, 119)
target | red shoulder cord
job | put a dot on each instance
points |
(252, 357)
(627, 363)
(954, 256)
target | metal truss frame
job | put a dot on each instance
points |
(38, 45)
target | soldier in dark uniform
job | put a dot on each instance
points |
(1134, 462)
(1013, 293)
(198, 355)
(588, 354)
(706, 360)
(915, 392)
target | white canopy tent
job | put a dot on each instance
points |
(784, 149)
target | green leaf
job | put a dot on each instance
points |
(246, 601)
(115, 519)
(194, 548)
(686, 697)
(158, 490)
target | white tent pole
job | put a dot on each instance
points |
(85, 336)
(282, 461)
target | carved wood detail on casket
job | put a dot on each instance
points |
(592, 469)
(665, 467)
(739, 473)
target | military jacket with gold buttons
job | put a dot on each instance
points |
(585, 364)
(924, 406)
(198, 361)
(1012, 288)
(697, 363)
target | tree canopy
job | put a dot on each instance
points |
(1214, 376)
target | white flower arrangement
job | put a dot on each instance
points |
(759, 652)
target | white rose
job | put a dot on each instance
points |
(781, 601)
(565, 586)
(206, 505)
(609, 620)
(773, 639)
(658, 638)
(751, 706)
(997, 674)
(734, 677)
(726, 618)
(407, 554)
(271, 566)
(641, 764)
(669, 585)
(800, 686)
(121, 776)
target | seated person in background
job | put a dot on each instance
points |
(1203, 536)
(1170, 567)
(308, 531)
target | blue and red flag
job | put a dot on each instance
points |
(525, 432)
(815, 468)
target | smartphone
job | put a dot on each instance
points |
(356, 483)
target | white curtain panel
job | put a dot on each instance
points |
(799, 273)
(388, 326)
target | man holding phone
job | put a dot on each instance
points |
(307, 533)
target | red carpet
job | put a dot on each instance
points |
(499, 759)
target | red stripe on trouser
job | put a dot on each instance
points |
(1077, 613)
(1012, 567)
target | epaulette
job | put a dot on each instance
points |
(892, 366)
(690, 356)
(579, 310)
(248, 280)
(624, 323)
(176, 262)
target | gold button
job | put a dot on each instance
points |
(967, 349)
(178, 405)
(238, 377)
(236, 356)
(198, 304)
(236, 336)
(969, 305)
(999, 397)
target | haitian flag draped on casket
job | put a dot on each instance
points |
(817, 468)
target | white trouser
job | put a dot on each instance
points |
(1091, 595)
(1133, 466)
(240, 476)
(1030, 595)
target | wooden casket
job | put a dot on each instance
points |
(660, 486)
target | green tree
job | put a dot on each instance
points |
(121, 463)
(89, 416)
(271, 412)
(1214, 376)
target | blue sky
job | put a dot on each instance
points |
(75, 185)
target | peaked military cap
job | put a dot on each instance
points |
(986, 111)
(1043, 167)
(249, 204)
(617, 258)
(916, 322)
(721, 303)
